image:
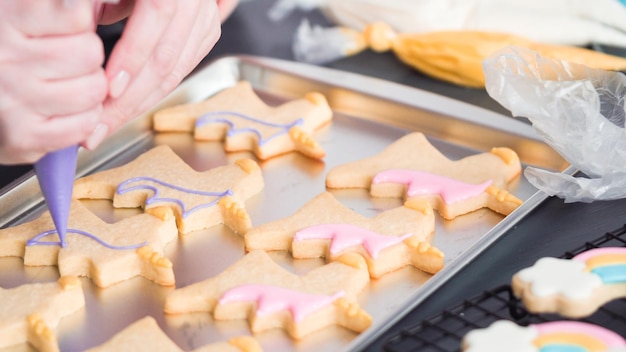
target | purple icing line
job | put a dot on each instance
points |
(209, 118)
(155, 197)
(35, 240)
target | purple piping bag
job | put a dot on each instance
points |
(56, 172)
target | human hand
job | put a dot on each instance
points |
(52, 83)
(162, 42)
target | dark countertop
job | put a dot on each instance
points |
(552, 228)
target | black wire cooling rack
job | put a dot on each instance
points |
(445, 331)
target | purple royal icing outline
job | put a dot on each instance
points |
(155, 197)
(35, 240)
(208, 118)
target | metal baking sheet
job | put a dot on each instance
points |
(369, 114)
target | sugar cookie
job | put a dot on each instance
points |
(269, 296)
(574, 287)
(30, 313)
(240, 118)
(326, 228)
(504, 335)
(159, 177)
(106, 253)
(414, 169)
(146, 335)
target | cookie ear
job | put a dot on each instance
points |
(306, 144)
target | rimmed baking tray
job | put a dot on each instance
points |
(369, 114)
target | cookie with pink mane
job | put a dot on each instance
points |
(326, 228)
(260, 290)
(414, 169)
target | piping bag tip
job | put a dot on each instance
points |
(56, 172)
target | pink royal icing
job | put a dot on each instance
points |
(610, 338)
(272, 299)
(586, 255)
(346, 235)
(424, 183)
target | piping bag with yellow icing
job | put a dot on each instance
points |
(452, 56)
(55, 173)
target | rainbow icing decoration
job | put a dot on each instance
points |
(608, 263)
(343, 236)
(272, 299)
(578, 277)
(557, 336)
(425, 183)
(142, 182)
(228, 118)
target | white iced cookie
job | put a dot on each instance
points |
(573, 287)
(504, 335)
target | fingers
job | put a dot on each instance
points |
(143, 31)
(52, 84)
(58, 57)
(65, 96)
(187, 39)
(27, 139)
(49, 17)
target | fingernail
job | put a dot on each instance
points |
(97, 136)
(119, 84)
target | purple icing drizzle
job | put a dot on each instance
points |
(213, 117)
(36, 240)
(126, 186)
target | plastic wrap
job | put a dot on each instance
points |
(577, 110)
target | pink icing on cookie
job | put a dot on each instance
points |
(424, 183)
(608, 337)
(346, 235)
(272, 299)
(586, 255)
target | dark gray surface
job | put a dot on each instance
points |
(551, 229)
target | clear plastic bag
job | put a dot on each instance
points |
(577, 110)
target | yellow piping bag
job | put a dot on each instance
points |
(451, 56)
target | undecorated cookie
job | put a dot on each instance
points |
(30, 313)
(146, 335)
